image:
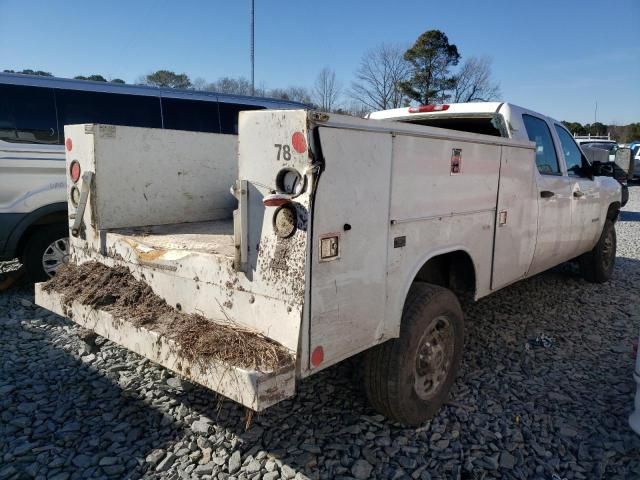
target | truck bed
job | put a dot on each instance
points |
(213, 237)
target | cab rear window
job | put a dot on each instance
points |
(482, 125)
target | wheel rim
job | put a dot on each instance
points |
(433, 357)
(56, 254)
(607, 251)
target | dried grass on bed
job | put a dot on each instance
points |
(116, 291)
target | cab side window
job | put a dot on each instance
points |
(538, 132)
(572, 154)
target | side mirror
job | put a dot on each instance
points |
(624, 164)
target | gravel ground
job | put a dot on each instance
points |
(519, 409)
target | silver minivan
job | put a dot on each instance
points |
(33, 113)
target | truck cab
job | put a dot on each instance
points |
(573, 202)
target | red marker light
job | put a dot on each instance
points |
(317, 356)
(299, 142)
(428, 108)
(69, 144)
(276, 200)
(74, 171)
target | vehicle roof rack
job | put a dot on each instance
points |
(593, 137)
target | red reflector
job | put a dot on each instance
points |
(69, 144)
(299, 143)
(74, 171)
(317, 356)
(428, 108)
(276, 200)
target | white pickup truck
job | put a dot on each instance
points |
(343, 235)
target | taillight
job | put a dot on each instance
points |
(428, 108)
(74, 171)
(276, 200)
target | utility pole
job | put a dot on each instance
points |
(253, 84)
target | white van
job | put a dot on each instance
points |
(33, 112)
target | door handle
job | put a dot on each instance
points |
(546, 194)
(578, 194)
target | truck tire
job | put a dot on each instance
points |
(408, 378)
(597, 265)
(46, 249)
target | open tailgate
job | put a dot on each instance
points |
(253, 389)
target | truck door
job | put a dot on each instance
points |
(553, 242)
(586, 221)
(516, 216)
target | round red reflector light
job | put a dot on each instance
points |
(69, 144)
(74, 171)
(299, 142)
(317, 356)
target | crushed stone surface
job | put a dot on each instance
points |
(544, 392)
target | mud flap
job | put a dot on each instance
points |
(253, 389)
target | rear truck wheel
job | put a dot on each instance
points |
(45, 251)
(597, 265)
(408, 378)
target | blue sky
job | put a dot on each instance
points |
(555, 56)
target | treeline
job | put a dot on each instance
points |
(95, 78)
(620, 133)
(387, 76)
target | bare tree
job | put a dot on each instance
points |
(327, 90)
(199, 84)
(238, 86)
(354, 108)
(296, 94)
(473, 82)
(378, 77)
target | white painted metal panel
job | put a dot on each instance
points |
(554, 244)
(587, 213)
(200, 282)
(423, 184)
(31, 176)
(147, 176)
(516, 216)
(436, 211)
(349, 293)
(256, 390)
(426, 238)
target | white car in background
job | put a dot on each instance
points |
(33, 113)
(635, 152)
(603, 142)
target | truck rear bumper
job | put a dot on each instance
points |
(253, 389)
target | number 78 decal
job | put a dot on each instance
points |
(283, 150)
